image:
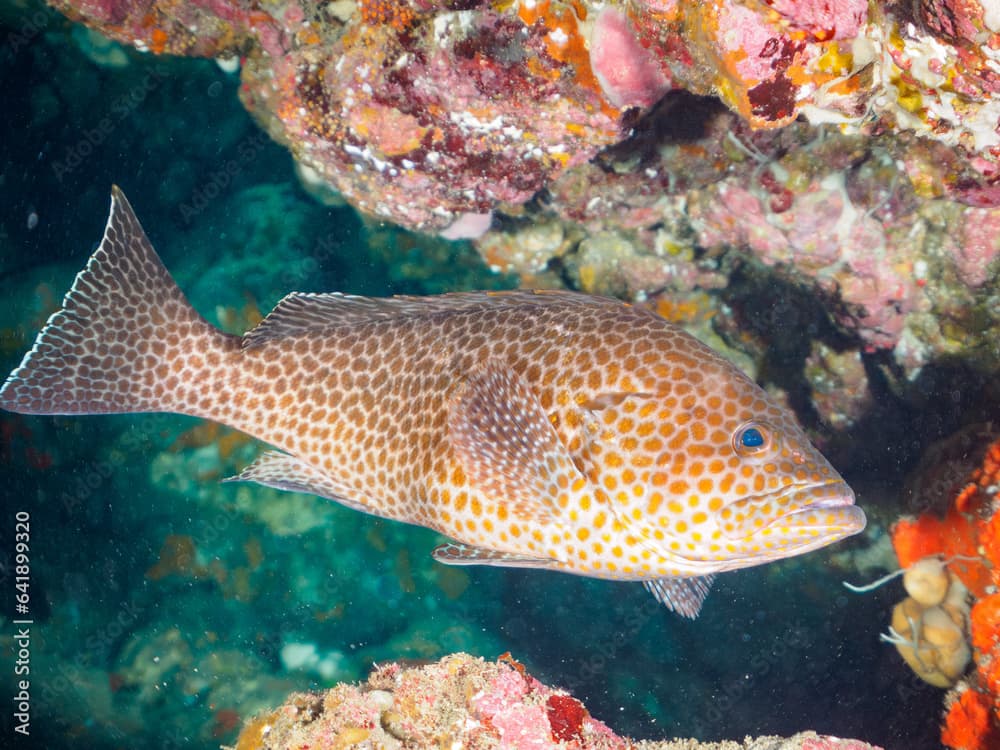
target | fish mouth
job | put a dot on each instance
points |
(828, 515)
(819, 510)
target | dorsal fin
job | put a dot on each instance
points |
(301, 312)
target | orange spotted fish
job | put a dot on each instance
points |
(535, 429)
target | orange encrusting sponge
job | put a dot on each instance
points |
(954, 536)
(969, 535)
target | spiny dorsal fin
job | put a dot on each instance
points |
(682, 595)
(302, 312)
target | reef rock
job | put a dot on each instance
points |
(462, 701)
(432, 113)
(858, 157)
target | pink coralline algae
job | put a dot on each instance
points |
(859, 157)
(979, 246)
(897, 263)
(432, 123)
(462, 701)
(825, 235)
(628, 73)
(426, 111)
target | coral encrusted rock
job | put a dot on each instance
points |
(464, 702)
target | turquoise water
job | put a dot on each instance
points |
(167, 607)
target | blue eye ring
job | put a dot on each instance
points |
(751, 439)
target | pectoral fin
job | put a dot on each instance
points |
(507, 446)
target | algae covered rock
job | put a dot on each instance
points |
(468, 702)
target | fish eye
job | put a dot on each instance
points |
(751, 439)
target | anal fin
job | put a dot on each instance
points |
(284, 472)
(681, 595)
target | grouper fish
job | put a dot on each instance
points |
(536, 429)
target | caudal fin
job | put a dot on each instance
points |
(125, 340)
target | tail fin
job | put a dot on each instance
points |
(123, 340)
